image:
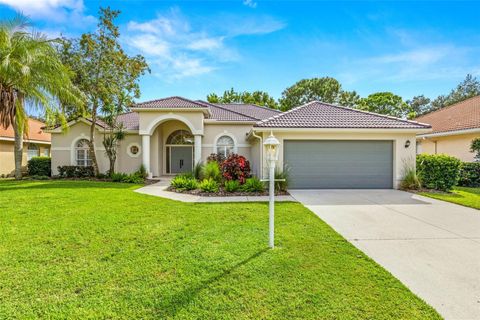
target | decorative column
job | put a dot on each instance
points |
(146, 154)
(197, 149)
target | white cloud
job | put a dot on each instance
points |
(250, 3)
(57, 11)
(178, 47)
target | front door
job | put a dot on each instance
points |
(181, 159)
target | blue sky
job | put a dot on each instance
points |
(195, 47)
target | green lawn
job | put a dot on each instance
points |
(87, 250)
(469, 197)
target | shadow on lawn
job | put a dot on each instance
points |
(181, 299)
(12, 185)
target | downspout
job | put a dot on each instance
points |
(261, 152)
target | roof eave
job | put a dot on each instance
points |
(448, 133)
(205, 110)
(345, 130)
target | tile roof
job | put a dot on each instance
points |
(170, 103)
(223, 114)
(250, 110)
(130, 120)
(35, 131)
(459, 116)
(322, 115)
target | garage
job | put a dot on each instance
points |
(339, 164)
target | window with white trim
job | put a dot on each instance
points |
(225, 145)
(33, 151)
(82, 153)
(46, 152)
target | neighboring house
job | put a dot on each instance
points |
(453, 129)
(36, 143)
(322, 145)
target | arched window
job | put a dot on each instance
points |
(180, 137)
(82, 154)
(33, 151)
(225, 145)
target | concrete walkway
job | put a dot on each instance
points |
(432, 246)
(159, 189)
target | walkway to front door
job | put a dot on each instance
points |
(432, 246)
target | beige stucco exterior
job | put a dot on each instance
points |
(7, 159)
(402, 156)
(456, 145)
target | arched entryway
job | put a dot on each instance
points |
(179, 152)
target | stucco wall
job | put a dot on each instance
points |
(149, 120)
(402, 156)
(456, 145)
(237, 131)
(7, 159)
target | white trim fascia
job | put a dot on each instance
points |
(449, 133)
(343, 130)
(209, 145)
(213, 121)
(26, 140)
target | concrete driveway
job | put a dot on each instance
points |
(432, 246)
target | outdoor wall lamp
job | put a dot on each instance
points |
(407, 143)
(271, 145)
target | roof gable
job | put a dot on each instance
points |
(317, 114)
(35, 131)
(170, 103)
(463, 115)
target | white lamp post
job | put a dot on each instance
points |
(271, 145)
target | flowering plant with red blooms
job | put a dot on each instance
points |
(236, 167)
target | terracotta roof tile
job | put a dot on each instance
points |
(460, 116)
(169, 103)
(322, 115)
(35, 131)
(250, 110)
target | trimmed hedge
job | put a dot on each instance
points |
(469, 174)
(438, 171)
(40, 166)
(76, 171)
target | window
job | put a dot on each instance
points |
(225, 145)
(33, 151)
(180, 137)
(133, 150)
(46, 152)
(82, 153)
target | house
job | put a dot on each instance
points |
(36, 143)
(453, 129)
(322, 145)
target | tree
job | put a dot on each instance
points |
(349, 99)
(104, 71)
(32, 73)
(475, 147)
(469, 87)
(324, 89)
(419, 105)
(260, 98)
(385, 103)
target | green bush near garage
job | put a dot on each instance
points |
(470, 175)
(438, 171)
(40, 166)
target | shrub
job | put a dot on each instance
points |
(197, 171)
(469, 174)
(40, 166)
(281, 185)
(142, 172)
(209, 185)
(211, 170)
(75, 171)
(182, 183)
(232, 185)
(253, 185)
(410, 180)
(118, 176)
(440, 172)
(216, 157)
(36, 177)
(133, 178)
(236, 167)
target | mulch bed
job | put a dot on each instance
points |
(223, 193)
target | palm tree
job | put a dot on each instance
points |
(30, 73)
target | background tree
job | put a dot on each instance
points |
(419, 105)
(260, 98)
(324, 89)
(385, 103)
(469, 87)
(349, 99)
(99, 62)
(31, 73)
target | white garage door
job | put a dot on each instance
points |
(339, 164)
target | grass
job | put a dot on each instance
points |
(469, 197)
(84, 250)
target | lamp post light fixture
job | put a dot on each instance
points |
(271, 145)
